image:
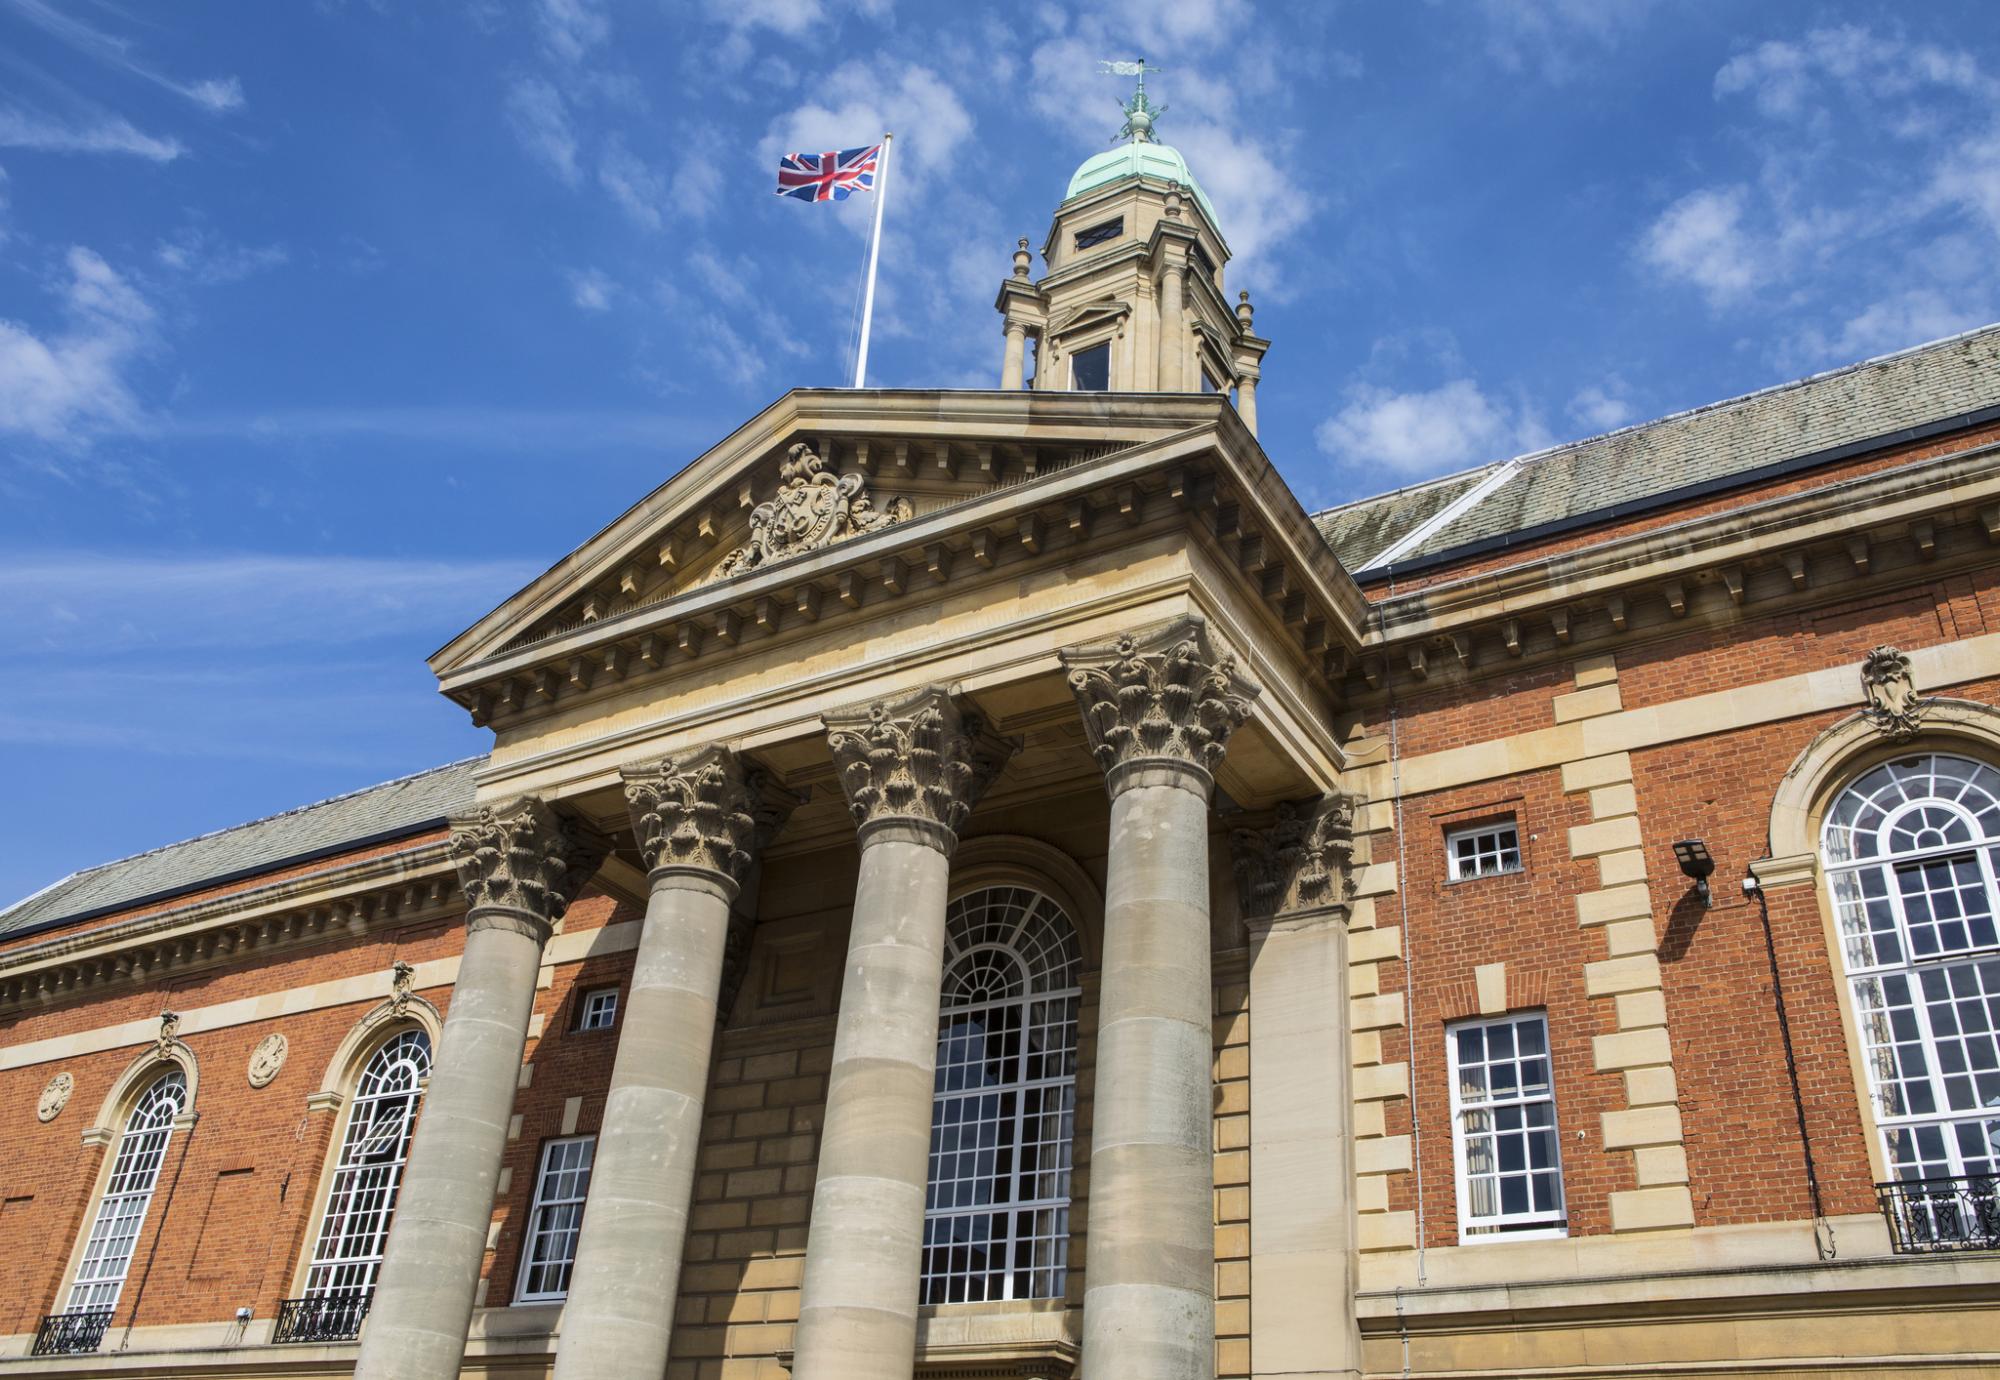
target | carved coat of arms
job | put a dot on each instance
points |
(1893, 706)
(812, 508)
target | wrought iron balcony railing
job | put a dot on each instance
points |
(322, 1317)
(1959, 1214)
(62, 1334)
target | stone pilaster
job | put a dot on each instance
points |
(1296, 880)
(912, 769)
(699, 819)
(1158, 708)
(519, 864)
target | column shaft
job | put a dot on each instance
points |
(424, 1295)
(619, 1318)
(1173, 332)
(1149, 1288)
(1012, 364)
(1246, 401)
(858, 1313)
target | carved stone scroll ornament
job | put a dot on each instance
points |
(706, 809)
(55, 1097)
(267, 1059)
(1302, 862)
(1159, 696)
(1893, 706)
(521, 863)
(812, 508)
(402, 987)
(920, 759)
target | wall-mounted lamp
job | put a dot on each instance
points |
(1696, 864)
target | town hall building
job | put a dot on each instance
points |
(984, 884)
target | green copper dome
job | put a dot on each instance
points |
(1139, 159)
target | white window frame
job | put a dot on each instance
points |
(594, 1001)
(375, 1136)
(555, 1216)
(121, 1214)
(1519, 1226)
(1454, 870)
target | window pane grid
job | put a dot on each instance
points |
(556, 1218)
(1909, 849)
(600, 1009)
(135, 1171)
(362, 1199)
(1483, 852)
(1504, 1125)
(1003, 1121)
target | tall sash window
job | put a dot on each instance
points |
(373, 1152)
(135, 1172)
(1004, 1116)
(1911, 852)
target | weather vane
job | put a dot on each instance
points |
(1140, 113)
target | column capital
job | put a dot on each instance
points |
(918, 762)
(1158, 704)
(520, 863)
(1299, 867)
(704, 811)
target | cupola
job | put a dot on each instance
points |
(1132, 297)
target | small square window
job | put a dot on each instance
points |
(1485, 851)
(1090, 370)
(599, 1010)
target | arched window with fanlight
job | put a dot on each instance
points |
(121, 1213)
(1911, 851)
(996, 1221)
(362, 1197)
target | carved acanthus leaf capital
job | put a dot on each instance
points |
(1159, 696)
(921, 759)
(523, 857)
(1303, 861)
(1891, 691)
(705, 809)
(813, 507)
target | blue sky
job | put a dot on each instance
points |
(324, 326)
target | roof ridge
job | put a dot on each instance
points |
(245, 824)
(1410, 488)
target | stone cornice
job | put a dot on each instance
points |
(403, 888)
(1213, 479)
(1794, 550)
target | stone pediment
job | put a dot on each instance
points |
(1090, 314)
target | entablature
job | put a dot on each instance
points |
(1908, 524)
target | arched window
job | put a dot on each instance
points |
(362, 1197)
(996, 1222)
(135, 1172)
(1912, 856)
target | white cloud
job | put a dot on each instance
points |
(857, 102)
(640, 191)
(591, 289)
(1557, 39)
(1426, 432)
(99, 133)
(541, 122)
(1602, 407)
(571, 28)
(1784, 77)
(1893, 323)
(216, 95)
(1700, 239)
(208, 259)
(70, 386)
(1969, 179)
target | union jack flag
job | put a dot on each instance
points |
(828, 176)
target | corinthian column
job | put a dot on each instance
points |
(1295, 883)
(1159, 708)
(912, 769)
(519, 865)
(698, 820)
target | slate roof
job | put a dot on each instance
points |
(1735, 441)
(403, 806)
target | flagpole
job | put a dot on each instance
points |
(874, 250)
